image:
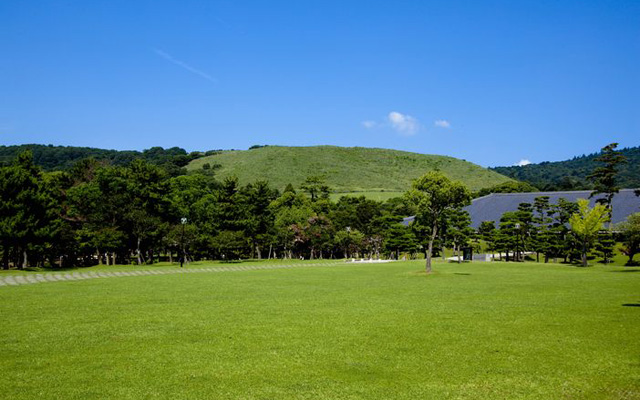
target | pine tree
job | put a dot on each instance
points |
(433, 195)
(604, 177)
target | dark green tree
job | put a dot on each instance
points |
(508, 236)
(400, 239)
(316, 186)
(459, 230)
(630, 233)
(604, 176)
(433, 195)
(487, 232)
(260, 217)
(28, 220)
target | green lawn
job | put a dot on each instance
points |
(387, 331)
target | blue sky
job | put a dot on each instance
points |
(493, 82)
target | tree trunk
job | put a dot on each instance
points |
(99, 256)
(584, 255)
(434, 232)
(113, 258)
(25, 261)
(5, 258)
(138, 253)
(258, 252)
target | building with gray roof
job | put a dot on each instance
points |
(491, 207)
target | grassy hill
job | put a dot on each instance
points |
(347, 169)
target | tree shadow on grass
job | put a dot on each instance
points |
(626, 270)
(631, 305)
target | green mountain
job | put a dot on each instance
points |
(572, 174)
(347, 169)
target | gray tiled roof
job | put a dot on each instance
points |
(491, 207)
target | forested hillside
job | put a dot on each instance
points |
(54, 158)
(345, 169)
(572, 174)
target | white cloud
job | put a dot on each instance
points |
(369, 124)
(184, 65)
(523, 162)
(403, 123)
(442, 123)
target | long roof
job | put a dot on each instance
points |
(492, 206)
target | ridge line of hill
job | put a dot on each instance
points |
(346, 169)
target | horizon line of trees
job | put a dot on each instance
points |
(574, 174)
(96, 213)
(565, 230)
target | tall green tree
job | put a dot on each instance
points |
(507, 237)
(542, 220)
(561, 242)
(28, 219)
(433, 195)
(630, 232)
(586, 224)
(460, 232)
(291, 212)
(399, 239)
(260, 216)
(487, 232)
(605, 245)
(526, 230)
(604, 176)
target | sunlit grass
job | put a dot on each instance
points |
(346, 169)
(376, 331)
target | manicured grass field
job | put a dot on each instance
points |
(386, 331)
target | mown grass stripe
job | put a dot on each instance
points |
(14, 280)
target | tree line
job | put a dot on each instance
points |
(97, 213)
(566, 230)
(58, 158)
(143, 212)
